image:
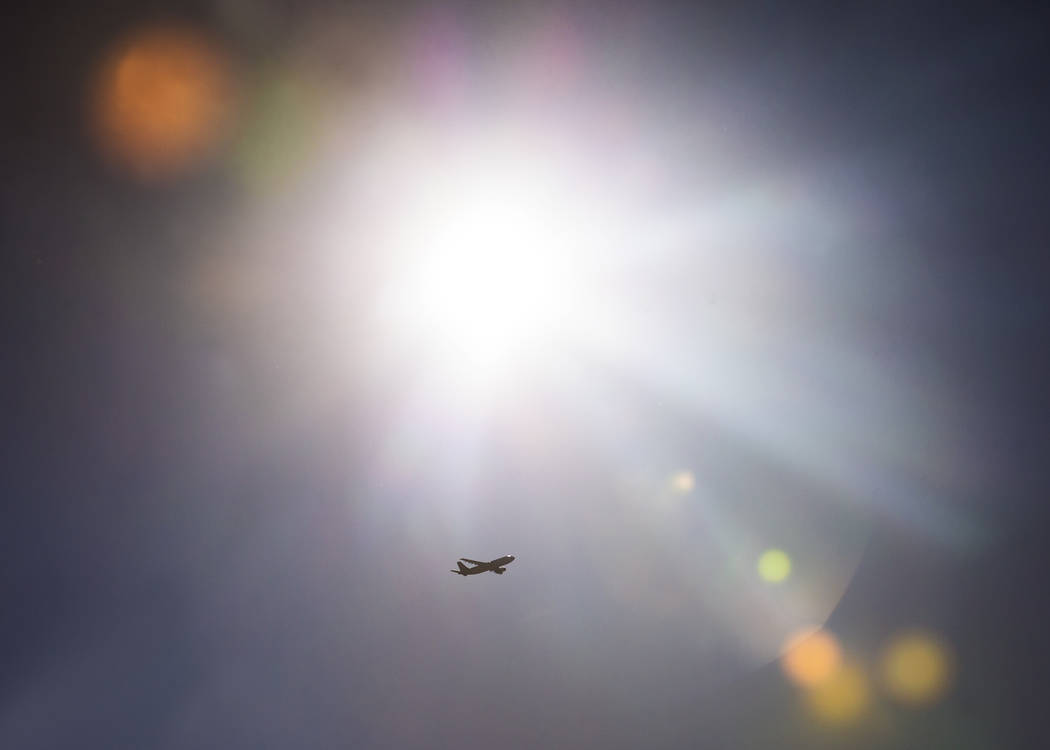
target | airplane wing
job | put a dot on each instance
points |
(473, 562)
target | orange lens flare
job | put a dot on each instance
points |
(162, 100)
(811, 657)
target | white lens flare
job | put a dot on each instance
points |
(489, 273)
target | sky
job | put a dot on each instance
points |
(725, 319)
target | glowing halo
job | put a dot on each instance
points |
(491, 264)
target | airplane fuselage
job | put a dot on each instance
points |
(499, 565)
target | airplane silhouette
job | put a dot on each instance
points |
(496, 566)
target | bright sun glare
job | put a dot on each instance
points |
(490, 274)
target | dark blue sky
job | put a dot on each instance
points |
(231, 504)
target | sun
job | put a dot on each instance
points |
(490, 275)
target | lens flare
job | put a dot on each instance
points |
(841, 699)
(683, 482)
(811, 657)
(489, 273)
(161, 102)
(774, 565)
(482, 299)
(279, 133)
(916, 668)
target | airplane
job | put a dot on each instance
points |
(496, 566)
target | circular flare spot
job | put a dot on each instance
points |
(843, 698)
(811, 657)
(916, 668)
(683, 482)
(774, 566)
(161, 102)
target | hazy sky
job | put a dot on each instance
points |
(713, 282)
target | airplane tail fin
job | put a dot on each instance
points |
(462, 569)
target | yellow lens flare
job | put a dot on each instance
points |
(161, 101)
(774, 565)
(842, 699)
(811, 657)
(916, 668)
